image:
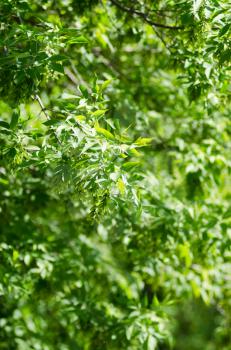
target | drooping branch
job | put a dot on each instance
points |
(144, 16)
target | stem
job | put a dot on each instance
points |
(37, 98)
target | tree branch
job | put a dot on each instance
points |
(43, 109)
(144, 16)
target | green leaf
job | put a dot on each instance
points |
(77, 40)
(14, 120)
(196, 6)
(105, 84)
(57, 67)
(83, 89)
(15, 255)
(52, 121)
(224, 29)
(130, 165)
(143, 141)
(104, 132)
(151, 343)
(4, 125)
(58, 58)
(225, 56)
(99, 113)
(121, 186)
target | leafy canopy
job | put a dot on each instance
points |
(114, 174)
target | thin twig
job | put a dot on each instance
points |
(144, 16)
(162, 39)
(79, 77)
(71, 76)
(44, 110)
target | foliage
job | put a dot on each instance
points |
(114, 174)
